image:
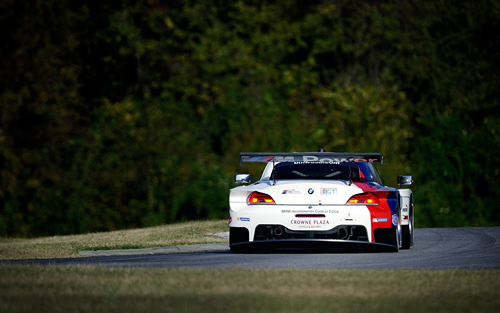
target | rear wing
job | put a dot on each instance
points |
(311, 157)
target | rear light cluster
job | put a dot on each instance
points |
(259, 198)
(366, 198)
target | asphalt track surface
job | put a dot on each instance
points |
(434, 249)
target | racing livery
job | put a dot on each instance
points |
(319, 200)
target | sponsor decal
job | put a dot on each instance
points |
(261, 158)
(309, 222)
(405, 217)
(322, 161)
(328, 191)
(394, 219)
(244, 219)
(320, 211)
(290, 192)
(310, 191)
(310, 158)
(315, 159)
(405, 209)
(379, 220)
(310, 207)
(230, 219)
(284, 158)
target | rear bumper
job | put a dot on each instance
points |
(310, 245)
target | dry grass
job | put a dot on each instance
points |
(69, 246)
(94, 289)
(98, 289)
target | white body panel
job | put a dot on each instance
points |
(297, 201)
(405, 197)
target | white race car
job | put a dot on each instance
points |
(319, 201)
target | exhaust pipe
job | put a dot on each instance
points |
(343, 232)
(278, 231)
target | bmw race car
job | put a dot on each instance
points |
(319, 201)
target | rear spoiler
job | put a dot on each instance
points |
(311, 157)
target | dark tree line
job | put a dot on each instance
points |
(133, 114)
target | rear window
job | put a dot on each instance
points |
(337, 171)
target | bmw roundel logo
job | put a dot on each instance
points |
(310, 191)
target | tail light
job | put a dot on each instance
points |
(259, 198)
(366, 198)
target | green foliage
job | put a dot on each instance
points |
(133, 114)
(457, 178)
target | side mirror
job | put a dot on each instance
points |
(242, 178)
(404, 180)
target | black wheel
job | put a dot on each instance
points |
(406, 237)
(407, 240)
(399, 232)
(391, 236)
(236, 249)
(238, 234)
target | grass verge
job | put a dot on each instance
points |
(69, 246)
(96, 289)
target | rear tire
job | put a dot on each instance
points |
(408, 230)
(391, 236)
(236, 249)
(399, 235)
(238, 234)
(406, 237)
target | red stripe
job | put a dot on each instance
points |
(377, 211)
(269, 158)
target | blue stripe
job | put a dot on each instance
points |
(256, 159)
